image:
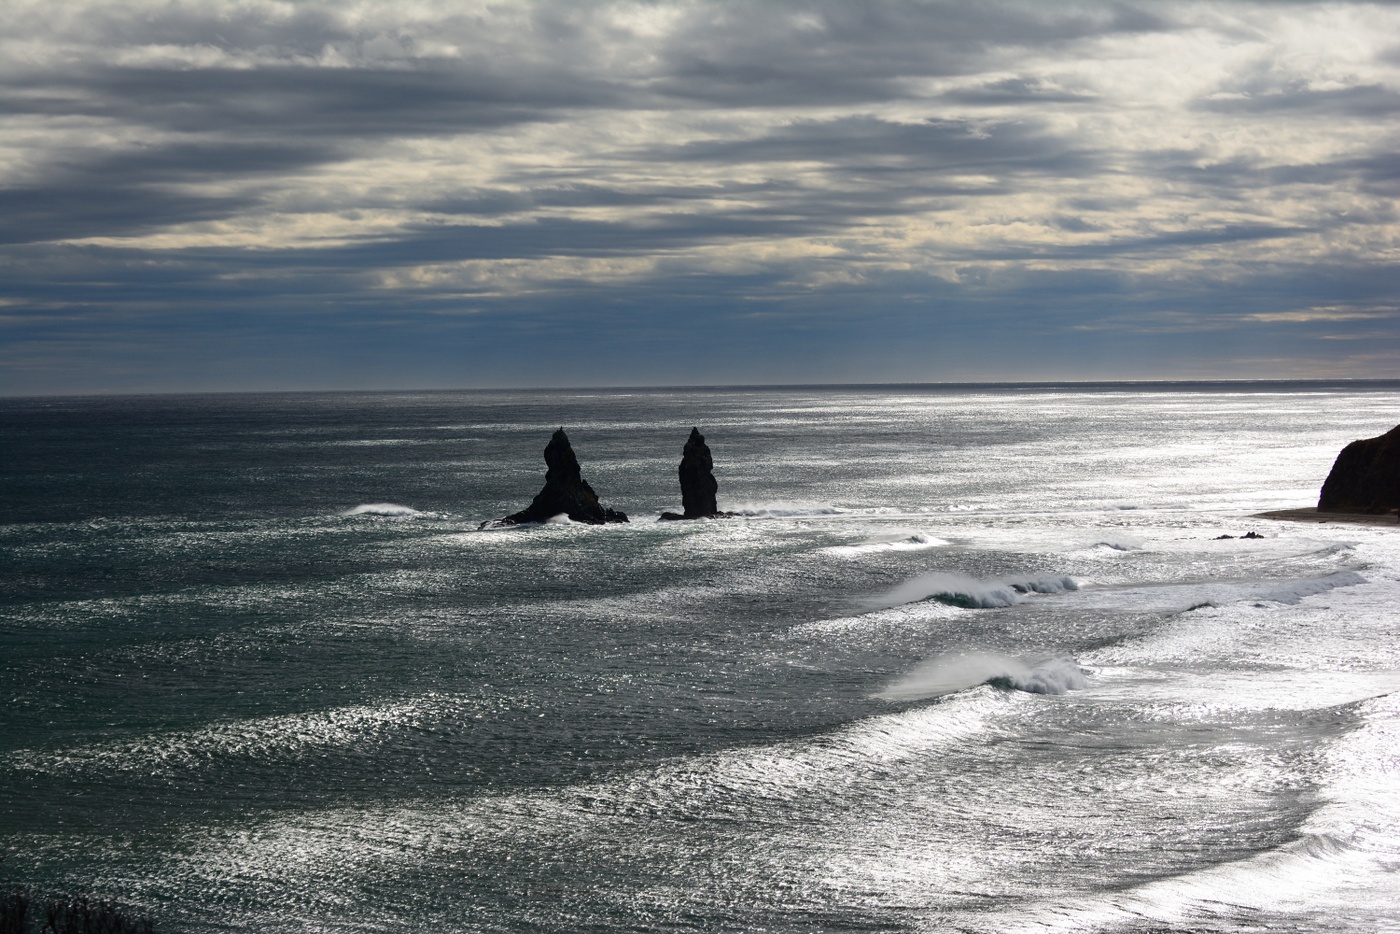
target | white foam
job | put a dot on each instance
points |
(1176, 597)
(1337, 623)
(911, 618)
(1120, 543)
(782, 510)
(947, 674)
(381, 509)
(892, 540)
(493, 525)
(961, 590)
(293, 853)
(1341, 867)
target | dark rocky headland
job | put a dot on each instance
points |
(565, 491)
(698, 484)
(1365, 477)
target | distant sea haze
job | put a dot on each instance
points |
(966, 658)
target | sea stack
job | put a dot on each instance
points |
(565, 491)
(1365, 477)
(698, 486)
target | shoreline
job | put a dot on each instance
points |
(1310, 514)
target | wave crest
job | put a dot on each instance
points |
(969, 592)
(780, 510)
(948, 674)
(393, 510)
(893, 540)
(1120, 543)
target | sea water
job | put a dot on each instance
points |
(969, 659)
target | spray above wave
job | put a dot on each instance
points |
(782, 510)
(562, 518)
(948, 674)
(1120, 543)
(969, 592)
(893, 540)
(393, 510)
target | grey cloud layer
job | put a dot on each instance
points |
(515, 159)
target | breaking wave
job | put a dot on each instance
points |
(894, 540)
(381, 509)
(969, 592)
(1177, 598)
(948, 674)
(780, 510)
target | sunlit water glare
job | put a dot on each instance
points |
(967, 660)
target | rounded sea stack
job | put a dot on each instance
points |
(1365, 477)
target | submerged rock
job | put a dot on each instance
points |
(1365, 477)
(698, 486)
(565, 491)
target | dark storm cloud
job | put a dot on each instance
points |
(357, 103)
(100, 194)
(1367, 101)
(557, 192)
(293, 117)
(1017, 91)
(1144, 246)
(873, 146)
(542, 238)
(94, 209)
(642, 172)
(747, 54)
(1240, 179)
(759, 54)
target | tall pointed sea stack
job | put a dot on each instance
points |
(698, 486)
(565, 491)
(1365, 477)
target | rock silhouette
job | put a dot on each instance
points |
(565, 491)
(698, 486)
(1365, 477)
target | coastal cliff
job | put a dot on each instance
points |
(1365, 477)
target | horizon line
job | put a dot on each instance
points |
(1225, 382)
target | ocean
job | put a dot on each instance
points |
(970, 658)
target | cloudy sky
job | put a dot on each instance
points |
(258, 195)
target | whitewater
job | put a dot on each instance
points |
(968, 659)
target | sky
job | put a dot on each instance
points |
(218, 195)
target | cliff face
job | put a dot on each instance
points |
(565, 491)
(1365, 477)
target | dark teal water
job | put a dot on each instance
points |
(261, 670)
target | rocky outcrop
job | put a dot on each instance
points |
(1365, 477)
(565, 492)
(698, 486)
